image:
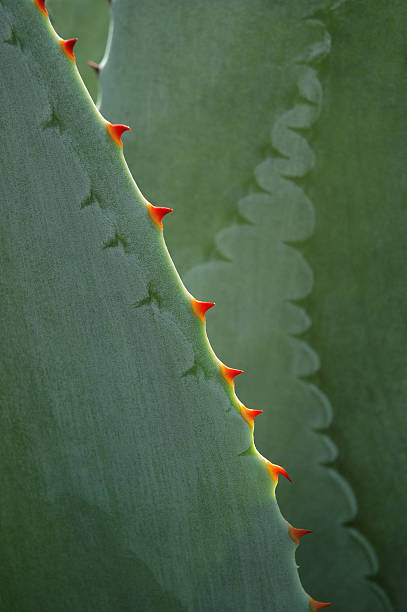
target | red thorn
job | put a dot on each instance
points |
(274, 471)
(115, 131)
(317, 605)
(200, 308)
(41, 6)
(157, 213)
(297, 534)
(67, 46)
(229, 373)
(94, 65)
(249, 415)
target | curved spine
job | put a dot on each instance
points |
(116, 131)
(68, 46)
(157, 213)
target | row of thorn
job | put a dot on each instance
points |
(157, 213)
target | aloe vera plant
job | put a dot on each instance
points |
(251, 272)
(129, 477)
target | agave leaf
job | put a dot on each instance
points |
(125, 473)
(88, 20)
(358, 254)
(254, 274)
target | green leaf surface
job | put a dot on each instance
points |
(200, 83)
(87, 20)
(125, 478)
(214, 81)
(358, 254)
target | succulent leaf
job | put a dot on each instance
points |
(125, 482)
(358, 254)
(216, 117)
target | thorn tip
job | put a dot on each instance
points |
(40, 4)
(200, 308)
(275, 470)
(317, 605)
(67, 47)
(94, 65)
(229, 373)
(249, 415)
(157, 213)
(115, 132)
(297, 534)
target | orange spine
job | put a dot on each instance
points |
(115, 132)
(317, 605)
(200, 308)
(67, 47)
(157, 213)
(275, 470)
(40, 4)
(297, 534)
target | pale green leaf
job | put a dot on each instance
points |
(125, 484)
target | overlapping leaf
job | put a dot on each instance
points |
(213, 83)
(358, 254)
(256, 282)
